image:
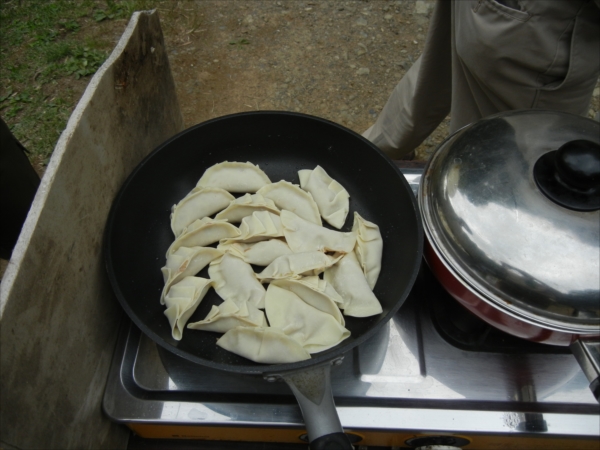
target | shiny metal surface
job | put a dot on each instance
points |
(499, 234)
(406, 378)
(587, 354)
(413, 176)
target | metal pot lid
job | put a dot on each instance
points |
(496, 229)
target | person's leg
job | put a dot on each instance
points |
(18, 185)
(421, 100)
(504, 56)
(573, 92)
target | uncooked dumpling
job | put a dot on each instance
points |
(260, 253)
(369, 248)
(186, 262)
(261, 225)
(234, 177)
(304, 236)
(316, 283)
(263, 345)
(229, 315)
(199, 203)
(244, 206)
(182, 300)
(296, 265)
(235, 280)
(330, 196)
(349, 281)
(315, 330)
(314, 291)
(290, 197)
(203, 232)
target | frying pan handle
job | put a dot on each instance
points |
(312, 389)
(587, 354)
(333, 441)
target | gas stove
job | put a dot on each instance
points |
(434, 374)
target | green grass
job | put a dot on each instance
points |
(46, 59)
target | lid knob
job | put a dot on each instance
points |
(570, 176)
(578, 164)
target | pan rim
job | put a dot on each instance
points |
(478, 286)
(258, 369)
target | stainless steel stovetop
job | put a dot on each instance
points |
(432, 371)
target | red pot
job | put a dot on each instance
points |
(511, 213)
(478, 305)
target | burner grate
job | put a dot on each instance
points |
(464, 330)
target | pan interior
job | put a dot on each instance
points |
(138, 230)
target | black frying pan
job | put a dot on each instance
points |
(138, 230)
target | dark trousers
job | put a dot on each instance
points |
(18, 185)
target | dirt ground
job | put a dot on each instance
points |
(338, 60)
(330, 58)
(333, 59)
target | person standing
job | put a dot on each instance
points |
(483, 57)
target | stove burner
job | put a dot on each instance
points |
(464, 330)
(435, 368)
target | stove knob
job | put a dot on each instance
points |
(438, 447)
(437, 442)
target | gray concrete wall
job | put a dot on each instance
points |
(58, 317)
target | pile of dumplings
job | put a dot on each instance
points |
(313, 273)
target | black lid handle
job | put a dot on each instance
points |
(570, 176)
(578, 164)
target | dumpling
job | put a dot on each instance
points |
(263, 345)
(296, 265)
(203, 232)
(229, 315)
(186, 262)
(182, 300)
(234, 177)
(369, 248)
(331, 197)
(290, 197)
(244, 206)
(260, 253)
(349, 281)
(304, 236)
(315, 330)
(315, 292)
(199, 203)
(261, 225)
(316, 283)
(235, 280)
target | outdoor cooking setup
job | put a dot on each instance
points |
(399, 380)
(482, 343)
